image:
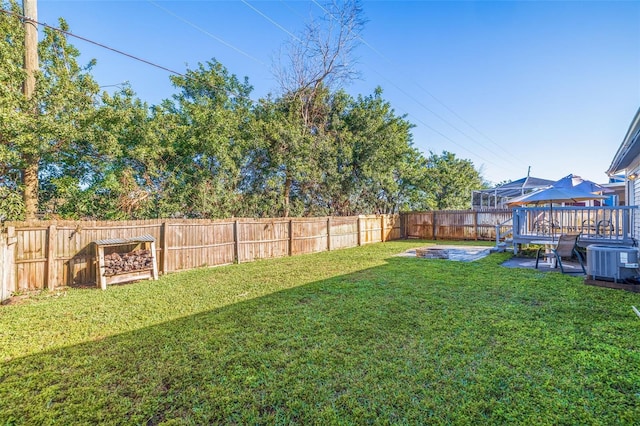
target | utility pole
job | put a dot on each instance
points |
(30, 46)
(30, 171)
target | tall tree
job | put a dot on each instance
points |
(37, 130)
(323, 55)
(287, 152)
(382, 156)
(119, 172)
(358, 159)
(450, 180)
(12, 101)
(311, 65)
(210, 115)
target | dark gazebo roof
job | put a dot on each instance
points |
(518, 187)
(498, 197)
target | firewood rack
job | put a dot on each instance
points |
(118, 245)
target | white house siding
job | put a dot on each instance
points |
(627, 159)
(633, 197)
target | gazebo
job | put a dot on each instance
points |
(498, 197)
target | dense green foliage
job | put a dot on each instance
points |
(448, 179)
(45, 134)
(356, 336)
(208, 152)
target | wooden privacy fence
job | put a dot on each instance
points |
(39, 255)
(454, 224)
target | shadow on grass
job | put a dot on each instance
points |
(411, 341)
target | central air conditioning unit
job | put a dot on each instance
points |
(612, 263)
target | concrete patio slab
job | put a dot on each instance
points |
(459, 253)
(572, 268)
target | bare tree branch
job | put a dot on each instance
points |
(324, 54)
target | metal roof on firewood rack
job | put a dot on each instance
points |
(115, 241)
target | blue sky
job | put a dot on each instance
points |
(507, 85)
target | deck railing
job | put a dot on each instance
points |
(601, 225)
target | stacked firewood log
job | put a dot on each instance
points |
(137, 260)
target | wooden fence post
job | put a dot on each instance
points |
(290, 237)
(12, 241)
(434, 226)
(475, 224)
(164, 246)
(101, 280)
(236, 242)
(154, 260)
(4, 268)
(51, 257)
(359, 232)
(329, 233)
(382, 226)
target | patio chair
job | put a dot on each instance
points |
(604, 227)
(588, 226)
(566, 248)
(545, 227)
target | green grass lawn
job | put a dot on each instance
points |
(355, 336)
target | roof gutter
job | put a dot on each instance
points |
(629, 148)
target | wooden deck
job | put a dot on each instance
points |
(596, 225)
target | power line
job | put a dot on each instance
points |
(466, 122)
(433, 129)
(432, 96)
(292, 10)
(70, 34)
(228, 92)
(407, 94)
(410, 96)
(202, 30)
(271, 20)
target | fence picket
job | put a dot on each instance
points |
(4, 268)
